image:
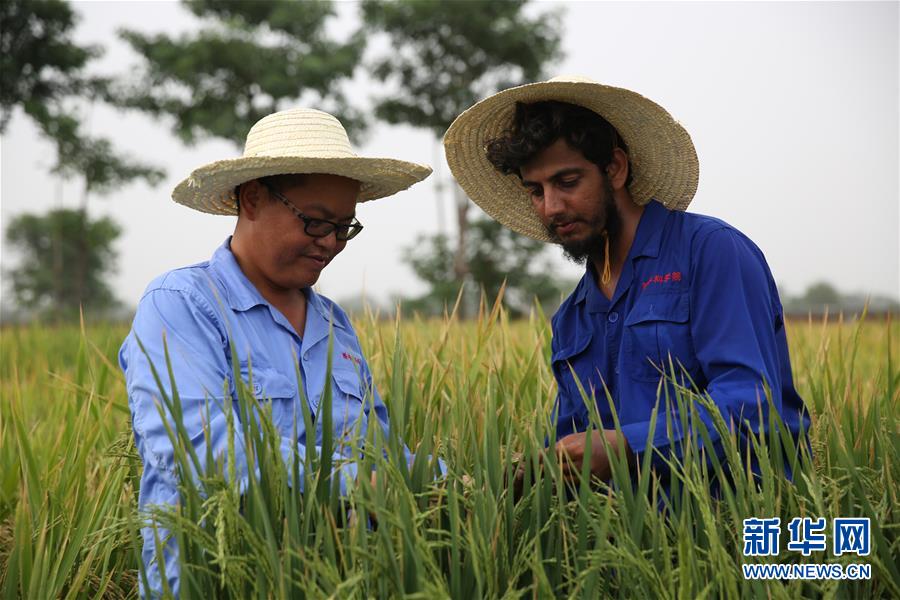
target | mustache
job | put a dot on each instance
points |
(556, 222)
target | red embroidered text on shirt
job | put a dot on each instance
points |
(668, 277)
(349, 356)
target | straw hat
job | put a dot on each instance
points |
(301, 140)
(663, 161)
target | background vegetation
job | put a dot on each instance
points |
(247, 59)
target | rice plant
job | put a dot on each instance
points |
(478, 394)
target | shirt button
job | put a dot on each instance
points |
(613, 317)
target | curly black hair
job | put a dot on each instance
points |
(537, 125)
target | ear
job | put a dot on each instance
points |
(617, 169)
(251, 198)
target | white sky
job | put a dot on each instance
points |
(793, 108)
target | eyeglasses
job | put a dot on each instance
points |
(319, 228)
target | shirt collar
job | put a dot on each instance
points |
(648, 236)
(241, 295)
(587, 280)
(646, 242)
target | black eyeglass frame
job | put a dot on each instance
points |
(342, 231)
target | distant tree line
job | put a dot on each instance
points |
(822, 298)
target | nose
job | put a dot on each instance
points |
(328, 242)
(553, 203)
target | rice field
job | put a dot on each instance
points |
(479, 395)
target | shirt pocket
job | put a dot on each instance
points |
(349, 384)
(275, 391)
(571, 404)
(348, 406)
(657, 329)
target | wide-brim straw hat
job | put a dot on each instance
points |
(662, 158)
(299, 141)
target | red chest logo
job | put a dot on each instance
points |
(662, 279)
(352, 358)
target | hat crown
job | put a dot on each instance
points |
(299, 132)
(572, 79)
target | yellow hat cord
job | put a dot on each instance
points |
(604, 279)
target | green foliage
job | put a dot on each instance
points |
(431, 258)
(65, 256)
(498, 257)
(68, 469)
(43, 71)
(479, 394)
(39, 62)
(445, 56)
(246, 61)
(102, 168)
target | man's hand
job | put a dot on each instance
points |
(572, 451)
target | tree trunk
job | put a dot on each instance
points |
(59, 295)
(81, 253)
(439, 186)
(460, 260)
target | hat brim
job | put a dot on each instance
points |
(210, 188)
(663, 160)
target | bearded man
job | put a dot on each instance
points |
(668, 298)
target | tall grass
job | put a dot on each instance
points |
(479, 394)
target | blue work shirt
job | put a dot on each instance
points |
(205, 311)
(692, 288)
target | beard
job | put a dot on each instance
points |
(607, 219)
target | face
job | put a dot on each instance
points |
(573, 199)
(283, 254)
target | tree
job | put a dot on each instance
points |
(44, 73)
(445, 56)
(497, 255)
(431, 259)
(39, 63)
(248, 59)
(821, 294)
(65, 258)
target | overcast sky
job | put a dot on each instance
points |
(793, 108)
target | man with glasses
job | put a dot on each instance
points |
(294, 192)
